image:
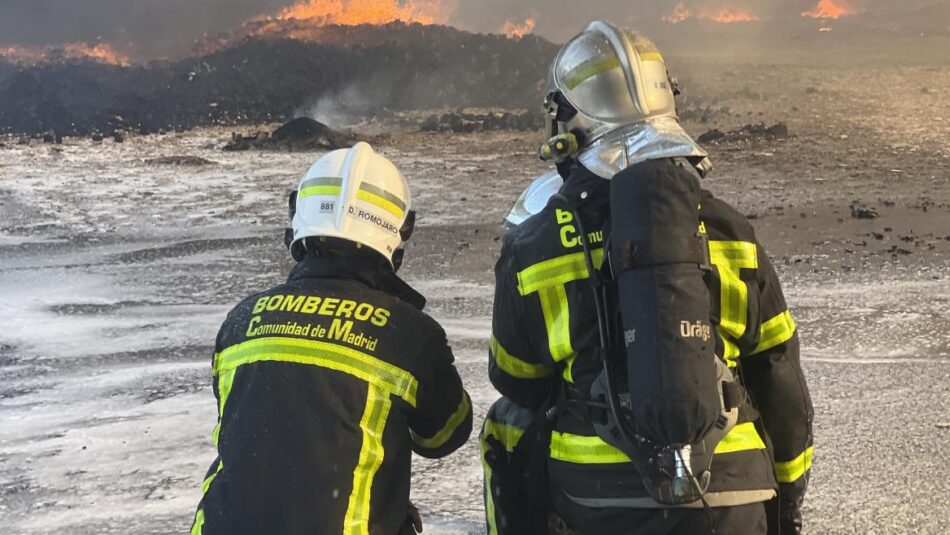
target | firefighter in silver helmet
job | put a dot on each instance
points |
(548, 469)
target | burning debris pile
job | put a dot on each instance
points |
(721, 14)
(33, 55)
(749, 134)
(461, 122)
(268, 79)
(731, 14)
(297, 135)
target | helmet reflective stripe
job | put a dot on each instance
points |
(586, 72)
(331, 186)
(382, 198)
(355, 195)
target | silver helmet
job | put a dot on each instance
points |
(609, 88)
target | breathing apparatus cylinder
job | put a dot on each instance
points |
(657, 254)
(674, 399)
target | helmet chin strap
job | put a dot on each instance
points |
(408, 228)
(289, 232)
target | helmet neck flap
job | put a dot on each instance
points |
(660, 137)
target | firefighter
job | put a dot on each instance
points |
(328, 383)
(612, 113)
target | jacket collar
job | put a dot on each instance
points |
(364, 269)
(580, 180)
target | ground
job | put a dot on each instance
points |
(115, 274)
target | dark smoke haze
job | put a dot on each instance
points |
(157, 27)
(154, 26)
(560, 19)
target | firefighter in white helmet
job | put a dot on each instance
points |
(564, 357)
(328, 383)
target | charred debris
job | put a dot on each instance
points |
(390, 68)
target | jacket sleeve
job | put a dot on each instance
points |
(514, 367)
(217, 383)
(773, 375)
(442, 420)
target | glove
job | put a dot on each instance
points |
(413, 523)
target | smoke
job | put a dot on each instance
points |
(560, 19)
(341, 109)
(146, 27)
(161, 27)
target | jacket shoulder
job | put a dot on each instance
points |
(723, 221)
(535, 240)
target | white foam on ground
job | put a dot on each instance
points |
(477, 328)
(29, 323)
(105, 455)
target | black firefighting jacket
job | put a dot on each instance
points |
(325, 387)
(545, 337)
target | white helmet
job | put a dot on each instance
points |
(611, 104)
(354, 195)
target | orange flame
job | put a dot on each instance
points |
(516, 31)
(353, 12)
(680, 13)
(722, 14)
(830, 9)
(306, 19)
(101, 52)
(729, 15)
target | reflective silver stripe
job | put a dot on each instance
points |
(384, 194)
(715, 499)
(322, 181)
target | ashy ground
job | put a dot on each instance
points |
(115, 274)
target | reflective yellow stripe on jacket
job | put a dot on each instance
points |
(198, 526)
(382, 374)
(549, 279)
(443, 435)
(579, 449)
(373, 424)
(509, 436)
(792, 471)
(775, 332)
(730, 258)
(514, 366)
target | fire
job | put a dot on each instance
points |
(101, 52)
(354, 12)
(306, 20)
(830, 9)
(729, 15)
(679, 14)
(516, 31)
(723, 14)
